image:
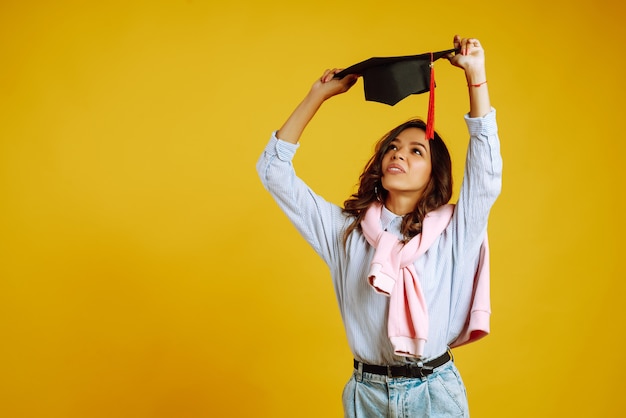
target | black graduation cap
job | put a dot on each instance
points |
(390, 79)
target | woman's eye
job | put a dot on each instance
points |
(417, 151)
(391, 147)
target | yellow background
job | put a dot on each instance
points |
(144, 271)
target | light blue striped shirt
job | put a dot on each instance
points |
(446, 270)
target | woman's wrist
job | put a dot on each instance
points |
(315, 97)
(475, 75)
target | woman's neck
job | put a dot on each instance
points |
(401, 204)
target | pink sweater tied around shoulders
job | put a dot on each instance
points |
(392, 273)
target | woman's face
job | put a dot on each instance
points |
(406, 165)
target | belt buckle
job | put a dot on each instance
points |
(420, 370)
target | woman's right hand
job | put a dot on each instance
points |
(324, 88)
(328, 86)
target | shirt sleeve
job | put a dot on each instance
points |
(320, 222)
(482, 183)
(480, 188)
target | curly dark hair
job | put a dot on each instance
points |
(438, 192)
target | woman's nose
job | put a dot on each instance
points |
(398, 155)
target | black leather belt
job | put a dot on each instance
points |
(417, 369)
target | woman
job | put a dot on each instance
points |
(409, 271)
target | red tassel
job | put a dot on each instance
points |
(430, 122)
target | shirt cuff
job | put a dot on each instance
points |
(483, 126)
(282, 149)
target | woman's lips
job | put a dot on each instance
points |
(395, 168)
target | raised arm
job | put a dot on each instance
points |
(472, 61)
(323, 89)
(482, 180)
(320, 222)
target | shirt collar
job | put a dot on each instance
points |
(390, 222)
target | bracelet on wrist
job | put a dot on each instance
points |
(477, 85)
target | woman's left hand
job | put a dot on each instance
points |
(471, 56)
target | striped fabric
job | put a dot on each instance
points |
(445, 270)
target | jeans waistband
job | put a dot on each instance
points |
(417, 369)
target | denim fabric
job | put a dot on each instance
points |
(441, 394)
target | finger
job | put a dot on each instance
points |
(462, 45)
(456, 42)
(330, 75)
(472, 45)
(324, 75)
(334, 72)
(468, 46)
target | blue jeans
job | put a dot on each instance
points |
(441, 394)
